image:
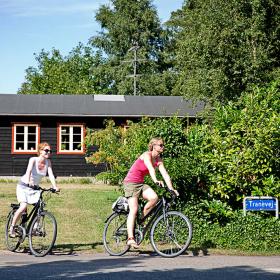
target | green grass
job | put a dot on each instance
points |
(80, 211)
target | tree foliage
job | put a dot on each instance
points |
(245, 146)
(126, 24)
(105, 65)
(210, 50)
(225, 47)
(235, 156)
(80, 72)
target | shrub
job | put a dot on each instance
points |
(252, 233)
(234, 154)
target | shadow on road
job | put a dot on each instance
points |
(127, 268)
(69, 249)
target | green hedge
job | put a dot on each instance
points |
(252, 233)
(234, 153)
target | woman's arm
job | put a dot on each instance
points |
(166, 177)
(27, 175)
(51, 176)
(147, 157)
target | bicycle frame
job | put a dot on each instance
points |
(37, 207)
(169, 231)
(161, 207)
(31, 216)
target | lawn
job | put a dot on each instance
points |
(80, 210)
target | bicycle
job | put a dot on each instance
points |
(39, 226)
(170, 231)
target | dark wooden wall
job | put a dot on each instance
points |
(63, 165)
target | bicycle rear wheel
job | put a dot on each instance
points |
(12, 243)
(171, 235)
(42, 234)
(115, 235)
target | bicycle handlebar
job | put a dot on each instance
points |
(36, 187)
(163, 185)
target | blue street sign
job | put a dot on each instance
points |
(261, 203)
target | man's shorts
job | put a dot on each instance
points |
(134, 189)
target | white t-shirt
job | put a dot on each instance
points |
(36, 174)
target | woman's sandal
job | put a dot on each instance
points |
(12, 232)
(132, 243)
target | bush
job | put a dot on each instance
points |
(245, 147)
(235, 154)
(119, 148)
(252, 233)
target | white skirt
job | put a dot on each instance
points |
(27, 195)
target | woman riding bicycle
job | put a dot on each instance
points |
(37, 168)
(134, 184)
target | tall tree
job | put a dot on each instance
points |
(126, 25)
(106, 64)
(79, 72)
(225, 47)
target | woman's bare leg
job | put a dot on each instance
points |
(150, 195)
(133, 208)
(22, 208)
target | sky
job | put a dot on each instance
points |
(28, 26)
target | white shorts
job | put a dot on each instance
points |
(27, 195)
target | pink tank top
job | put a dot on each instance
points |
(137, 172)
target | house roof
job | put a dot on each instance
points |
(96, 105)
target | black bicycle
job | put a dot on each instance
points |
(170, 231)
(39, 226)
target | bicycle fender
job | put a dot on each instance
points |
(109, 217)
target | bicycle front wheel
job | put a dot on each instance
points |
(12, 243)
(115, 235)
(171, 234)
(42, 234)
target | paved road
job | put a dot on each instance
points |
(100, 266)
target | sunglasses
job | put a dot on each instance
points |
(161, 145)
(47, 151)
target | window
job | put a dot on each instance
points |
(25, 138)
(70, 138)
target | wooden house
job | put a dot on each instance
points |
(61, 120)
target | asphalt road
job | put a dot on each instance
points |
(138, 266)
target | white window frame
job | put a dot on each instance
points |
(25, 149)
(71, 142)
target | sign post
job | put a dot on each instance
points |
(261, 203)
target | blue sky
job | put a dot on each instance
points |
(28, 26)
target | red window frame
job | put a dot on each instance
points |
(25, 135)
(70, 151)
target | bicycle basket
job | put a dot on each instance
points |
(121, 204)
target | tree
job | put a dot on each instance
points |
(105, 64)
(128, 23)
(225, 47)
(237, 155)
(78, 73)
